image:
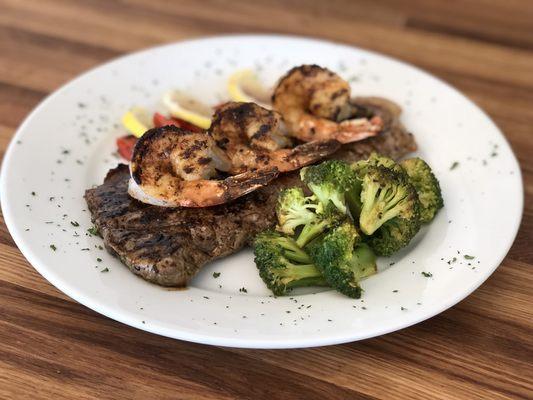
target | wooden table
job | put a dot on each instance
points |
(52, 347)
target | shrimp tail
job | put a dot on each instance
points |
(304, 154)
(241, 184)
(358, 129)
(315, 150)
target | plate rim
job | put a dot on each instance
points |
(199, 337)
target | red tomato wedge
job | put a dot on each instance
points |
(160, 120)
(125, 145)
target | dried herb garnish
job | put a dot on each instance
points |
(93, 231)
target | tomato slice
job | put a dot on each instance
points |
(160, 120)
(125, 145)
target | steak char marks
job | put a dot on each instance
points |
(168, 246)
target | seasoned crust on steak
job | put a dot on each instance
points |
(168, 246)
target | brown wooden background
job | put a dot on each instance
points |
(51, 347)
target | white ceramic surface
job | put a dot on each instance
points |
(67, 143)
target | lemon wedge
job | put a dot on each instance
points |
(244, 86)
(181, 106)
(137, 121)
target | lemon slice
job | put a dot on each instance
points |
(244, 86)
(137, 121)
(188, 109)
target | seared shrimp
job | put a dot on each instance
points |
(171, 167)
(174, 167)
(315, 105)
(251, 137)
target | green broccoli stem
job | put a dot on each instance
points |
(305, 214)
(292, 251)
(353, 199)
(309, 232)
(379, 206)
(302, 275)
(297, 272)
(309, 281)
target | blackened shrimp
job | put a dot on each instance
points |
(171, 167)
(252, 138)
(174, 167)
(315, 105)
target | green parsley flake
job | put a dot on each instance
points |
(53, 247)
(93, 231)
(216, 275)
(427, 274)
(74, 223)
(454, 165)
(467, 257)
(105, 270)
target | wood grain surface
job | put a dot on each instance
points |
(54, 348)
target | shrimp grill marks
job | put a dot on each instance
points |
(254, 140)
(145, 149)
(247, 124)
(315, 105)
(172, 167)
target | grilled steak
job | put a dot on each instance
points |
(168, 246)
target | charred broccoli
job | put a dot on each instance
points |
(342, 259)
(426, 185)
(385, 195)
(283, 265)
(332, 182)
(361, 167)
(375, 206)
(392, 236)
(304, 217)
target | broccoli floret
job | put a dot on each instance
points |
(342, 259)
(294, 209)
(304, 217)
(385, 195)
(426, 185)
(375, 159)
(364, 261)
(393, 235)
(283, 265)
(361, 168)
(330, 182)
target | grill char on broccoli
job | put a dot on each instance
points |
(332, 182)
(427, 187)
(375, 160)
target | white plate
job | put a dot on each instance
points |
(483, 197)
